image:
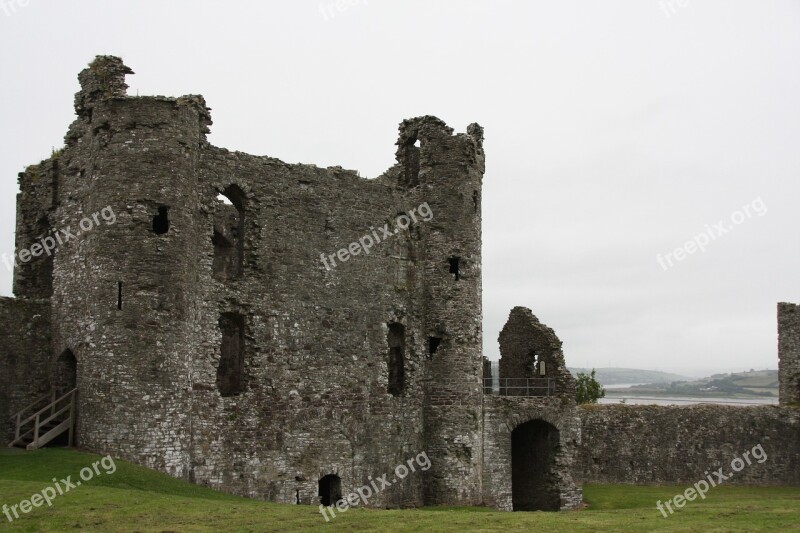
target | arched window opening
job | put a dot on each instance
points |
(225, 264)
(230, 372)
(228, 237)
(411, 162)
(396, 339)
(65, 373)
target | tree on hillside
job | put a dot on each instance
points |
(588, 389)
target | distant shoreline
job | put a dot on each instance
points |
(684, 400)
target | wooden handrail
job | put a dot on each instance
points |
(50, 406)
(46, 396)
(45, 415)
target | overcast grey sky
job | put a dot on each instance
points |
(615, 131)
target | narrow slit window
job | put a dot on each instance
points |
(454, 266)
(119, 295)
(396, 339)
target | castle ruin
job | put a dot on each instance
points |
(288, 332)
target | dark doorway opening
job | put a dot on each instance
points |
(64, 379)
(65, 376)
(534, 485)
(330, 490)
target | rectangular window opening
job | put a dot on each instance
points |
(454, 266)
(433, 344)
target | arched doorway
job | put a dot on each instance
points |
(65, 373)
(534, 486)
(330, 490)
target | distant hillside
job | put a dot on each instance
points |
(618, 376)
(756, 383)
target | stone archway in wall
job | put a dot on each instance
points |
(330, 490)
(534, 485)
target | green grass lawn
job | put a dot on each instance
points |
(137, 499)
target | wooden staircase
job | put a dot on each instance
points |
(49, 417)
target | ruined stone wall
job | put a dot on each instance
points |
(502, 415)
(318, 399)
(36, 202)
(642, 444)
(25, 361)
(214, 343)
(532, 351)
(789, 353)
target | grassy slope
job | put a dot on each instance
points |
(613, 376)
(136, 499)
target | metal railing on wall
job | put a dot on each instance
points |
(519, 386)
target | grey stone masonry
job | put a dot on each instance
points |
(789, 353)
(25, 360)
(651, 444)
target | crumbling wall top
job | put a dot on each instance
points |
(104, 78)
(531, 350)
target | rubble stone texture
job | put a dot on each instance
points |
(789, 353)
(210, 340)
(651, 444)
